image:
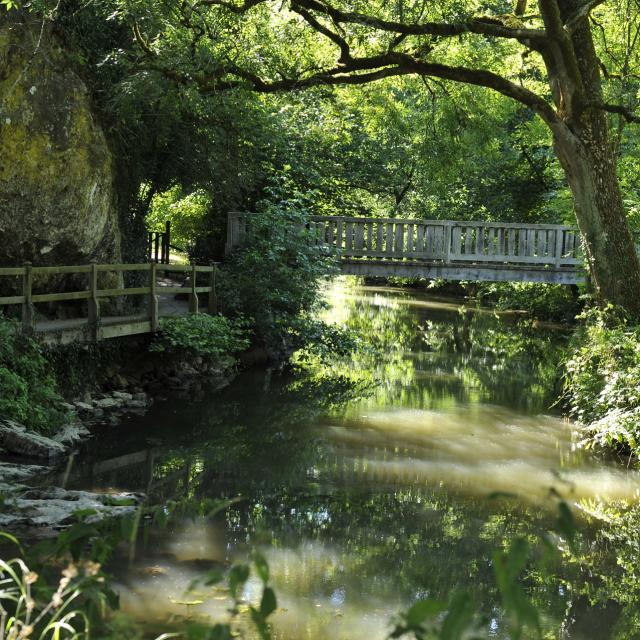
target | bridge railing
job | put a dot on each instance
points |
(28, 293)
(449, 241)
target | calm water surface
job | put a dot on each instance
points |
(363, 507)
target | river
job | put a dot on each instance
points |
(365, 505)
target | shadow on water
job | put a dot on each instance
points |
(362, 507)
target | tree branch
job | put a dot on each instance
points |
(621, 110)
(362, 71)
(488, 26)
(345, 51)
(581, 12)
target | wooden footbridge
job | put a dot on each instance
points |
(98, 284)
(447, 249)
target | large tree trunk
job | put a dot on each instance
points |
(608, 245)
(584, 148)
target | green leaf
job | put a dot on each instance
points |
(238, 575)
(422, 610)
(268, 604)
(459, 617)
(262, 568)
(260, 624)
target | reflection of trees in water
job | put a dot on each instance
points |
(263, 439)
(425, 356)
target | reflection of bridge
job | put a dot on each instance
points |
(448, 249)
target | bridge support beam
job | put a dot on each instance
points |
(478, 272)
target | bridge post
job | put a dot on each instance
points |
(193, 295)
(447, 241)
(153, 297)
(558, 246)
(28, 316)
(93, 302)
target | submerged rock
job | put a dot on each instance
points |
(16, 438)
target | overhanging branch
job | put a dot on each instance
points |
(619, 109)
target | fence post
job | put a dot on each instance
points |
(212, 306)
(193, 296)
(93, 303)
(153, 298)
(167, 241)
(28, 324)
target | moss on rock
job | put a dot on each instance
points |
(57, 200)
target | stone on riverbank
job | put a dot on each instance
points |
(55, 507)
(11, 475)
(72, 434)
(15, 438)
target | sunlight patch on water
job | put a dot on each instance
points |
(316, 597)
(477, 449)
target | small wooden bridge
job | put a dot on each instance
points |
(447, 249)
(98, 283)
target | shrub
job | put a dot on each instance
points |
(28, 390)
(276, 277)
(201, 334)
(602, 379)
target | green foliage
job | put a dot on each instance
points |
(275, 279)
(28, 390)
(602, 379)
(48, 602)
(323, 342)
(201, 334)
(544, 301)
(186, 211)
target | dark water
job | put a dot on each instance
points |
(363, 507)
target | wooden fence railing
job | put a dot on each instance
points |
(159, 245)
(94, 294)
(449, 241)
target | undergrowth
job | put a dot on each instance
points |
(602, 379)
(29, 392)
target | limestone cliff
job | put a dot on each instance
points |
(57, 200)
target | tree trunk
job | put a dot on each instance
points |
(583, 144)
(590, 168)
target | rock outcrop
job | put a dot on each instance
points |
(57, 199)
(17, 439)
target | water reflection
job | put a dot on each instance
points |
(363, 508)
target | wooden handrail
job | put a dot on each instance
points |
(449, 241)
(95, 295)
